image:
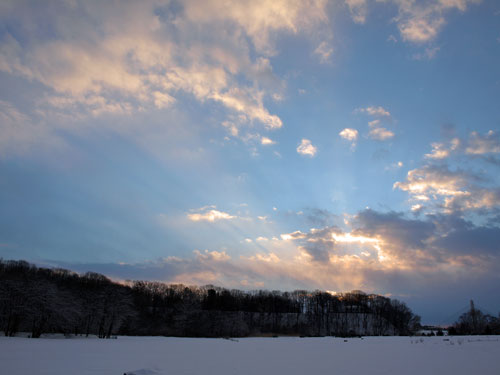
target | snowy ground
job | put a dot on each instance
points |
(304, 356)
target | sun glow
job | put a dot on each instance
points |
(349, 238)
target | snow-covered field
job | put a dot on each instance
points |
(284, 355)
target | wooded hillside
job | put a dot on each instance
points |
(42, 300)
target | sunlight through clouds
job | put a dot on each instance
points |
(360, 135)
(209, 214)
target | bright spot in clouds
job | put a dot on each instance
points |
(114, 112)
(210, 215)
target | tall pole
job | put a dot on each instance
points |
(473, 316)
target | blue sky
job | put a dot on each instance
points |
(336, 145)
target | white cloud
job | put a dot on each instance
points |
(267, 141)
(209, 214)
(393, 166)
(162, 100)
(268, 258)
(358, 9)
(349, 134)
(377, 132)
(293, 236)
(480, 145)
(451, 190)
(430, 180)
(380, 134)
(438, 152)
(306, 148)
(259, 19)
(416, 207)
(324, 51)
(249, 103)
(119, 59)
(218, 256)
(420, 30)
(375, 111)
(420, 22)
(442, 151)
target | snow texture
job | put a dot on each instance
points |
(284, 355)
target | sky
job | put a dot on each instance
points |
(333, 145)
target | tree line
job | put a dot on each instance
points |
(475, 322)
(52, 300)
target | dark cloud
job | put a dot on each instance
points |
(475, 241)
(160, 270)
(394, 228)
(320, 243)
(320, 217)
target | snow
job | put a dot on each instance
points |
(283, 355)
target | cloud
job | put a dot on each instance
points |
(377, 131)
(420, 29)
(306, 148)
(349, 134)
(267, 258)
(20, 133)
(267, 141)
(443, 186)
(481, 145)
(324, 51)
(100, 59)
(441, 151)
(399, 234)
(374, 111)
(259, 19)
(358, 10)
(417, 21)
(428, 54)
(380, 134)
(471, 240)
(218, 256)
(249, 103)
(292, 236)
(209, 214)
(430, 181)
(378, 252)
(420, 22)
(476, 145)
(395, 165)
(452, 190)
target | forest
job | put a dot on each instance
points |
(52, 300)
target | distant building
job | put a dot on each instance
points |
(432, 331)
